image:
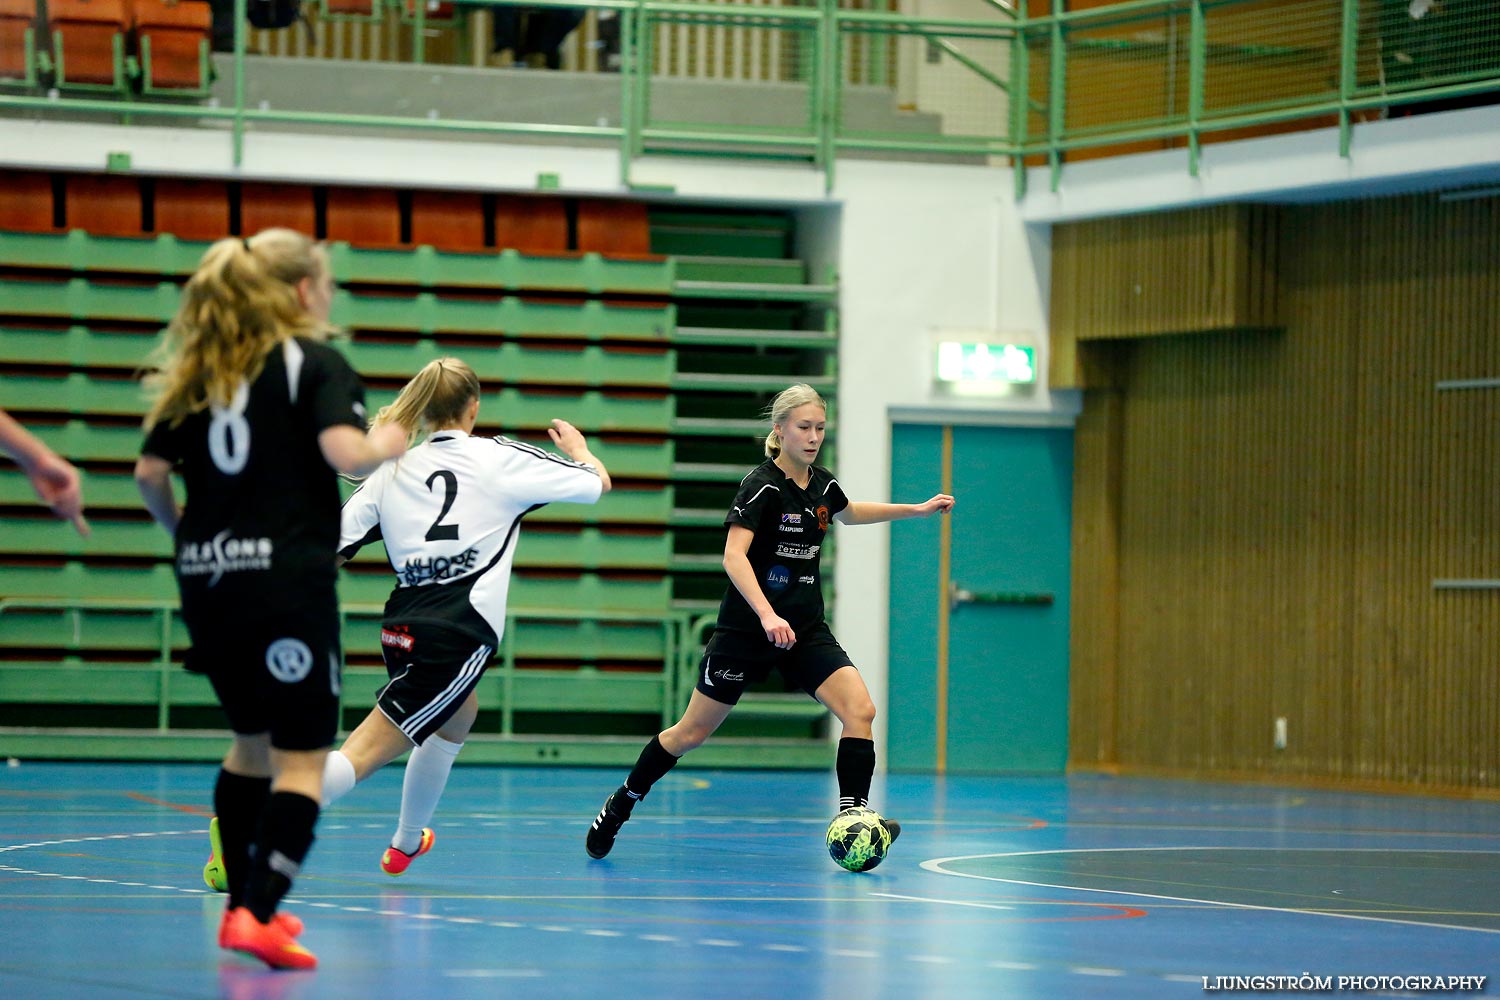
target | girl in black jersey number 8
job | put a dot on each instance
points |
(258, 415)
(449, 513)
(772, 612)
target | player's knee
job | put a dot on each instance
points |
(691, 737)
(857, 713)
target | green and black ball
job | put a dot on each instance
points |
(858, 839)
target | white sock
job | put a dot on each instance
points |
(426, 777)
(338, 777)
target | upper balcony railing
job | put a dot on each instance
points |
(811, 81)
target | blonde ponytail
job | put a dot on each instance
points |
(781, 408)
(240, 303)
(435, 397)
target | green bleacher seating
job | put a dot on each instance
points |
(114, 489)
(517, 363)
(154, 582)
(661, 333)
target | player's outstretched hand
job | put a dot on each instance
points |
(569, 439)
(940, 504)
(56, 484)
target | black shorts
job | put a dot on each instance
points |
(432, 671)
(276, 677)
(734, 660)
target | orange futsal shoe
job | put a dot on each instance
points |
(395, 861)
(286, 921)
(268, 942)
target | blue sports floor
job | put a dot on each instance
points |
(719, 888)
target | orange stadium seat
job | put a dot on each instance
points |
(26, 201)
(89, 41)
(17, 19)
(263, 206)
(365, 217)
(104, 204)
(176, 35)
(448, 220)
(613, 228)
(367, 10)
(192, 210)
(531, 224)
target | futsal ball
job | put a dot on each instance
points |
(858, 839)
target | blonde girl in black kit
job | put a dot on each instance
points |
(259, 416)
(772, 611)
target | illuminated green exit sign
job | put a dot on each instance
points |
(985, 363)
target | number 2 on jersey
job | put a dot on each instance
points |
(440, 532)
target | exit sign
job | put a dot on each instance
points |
(986, 363)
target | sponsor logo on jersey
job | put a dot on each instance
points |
(725, 675)
(424, 569)
(807, 579)
(822, 517)
(223, 554)
(777, 578)
(289, 660)
(398, 639)
(789, 527)
(791, 518)
(791, 550)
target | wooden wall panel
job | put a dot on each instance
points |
(1285, 501)
(1211, 268)
(1093, 653)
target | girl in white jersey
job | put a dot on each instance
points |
(448, 512)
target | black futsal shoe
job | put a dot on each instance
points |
(613, 816)
(895, 829)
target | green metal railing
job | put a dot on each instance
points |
(1043, 89)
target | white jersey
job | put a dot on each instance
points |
(448, 512)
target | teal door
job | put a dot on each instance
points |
(979, 609)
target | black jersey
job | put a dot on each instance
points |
(789, 523)
(261, 526)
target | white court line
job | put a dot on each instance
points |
(945, 902)
(529, 973)
(936, 865)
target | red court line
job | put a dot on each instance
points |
(190, 810)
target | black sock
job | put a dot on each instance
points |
(856, 765)
(238, 802)
(286, 835)
(653, 763)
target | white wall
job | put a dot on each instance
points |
(924, 248)
(1422, 152)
